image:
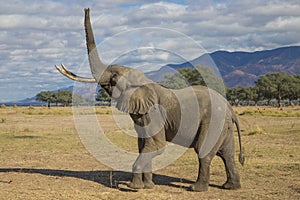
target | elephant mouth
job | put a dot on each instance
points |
(112, 90)
(107, 88)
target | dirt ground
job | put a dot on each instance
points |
(42, 157)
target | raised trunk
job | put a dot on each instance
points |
(97, 67)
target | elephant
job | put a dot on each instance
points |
(157, 113)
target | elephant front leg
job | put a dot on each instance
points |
(143, 165)
(142, 180)
(137, 181)
(139, 167)
(148, 183)
(151, 143)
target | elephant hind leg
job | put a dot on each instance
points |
(203, 174)
(227, 155)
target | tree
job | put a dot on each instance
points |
(47, 96)
(194, 76)
(64, 97)
(253, 94)
(294, 87)
(236, 95)
(212, 80)
(175, 81)
(264, 88)
(277, 86)
(274, 85)
(232, 96)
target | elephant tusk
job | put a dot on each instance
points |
(67, 73)
(65, 68)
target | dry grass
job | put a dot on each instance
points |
(42, 158)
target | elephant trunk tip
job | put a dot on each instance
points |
(241, 159)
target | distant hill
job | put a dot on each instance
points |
(249, 66)
(243, 68)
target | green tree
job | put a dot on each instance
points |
(194, 76)
(64, 97)
(274, 85)
(294, 87)
(236, 95)
(232, 96)
(277, 85)
(175, 81)
(212, 80)
(264, 88)
(253, 94)
(47, 96)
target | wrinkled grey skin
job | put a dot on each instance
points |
(141, 98)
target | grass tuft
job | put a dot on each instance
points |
(257, 131)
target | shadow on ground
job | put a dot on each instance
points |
(111, 179)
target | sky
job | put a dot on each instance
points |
(37, 34)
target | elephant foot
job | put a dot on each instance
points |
(135, 185)
(199, 187)
(149, 185)
(231, 186)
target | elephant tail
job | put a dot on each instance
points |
(236, 122)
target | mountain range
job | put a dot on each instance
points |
(236, 68)
(243, 68)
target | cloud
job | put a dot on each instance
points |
(36, 35)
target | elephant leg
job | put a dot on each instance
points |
(142, 166)
(137, 181)
(147, 176)
(142, 180)
(203, 175)
(148, 183)
(137, 178)
(149, 147)
(227, 155)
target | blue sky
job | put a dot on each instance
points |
(37, 34)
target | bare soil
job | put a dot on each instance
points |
(42, 157)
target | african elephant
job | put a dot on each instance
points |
(195, 117)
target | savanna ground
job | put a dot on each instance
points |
(42, 157)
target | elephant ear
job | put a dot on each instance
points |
(136, 78)
(137, 100)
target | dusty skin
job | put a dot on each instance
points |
(42, 158)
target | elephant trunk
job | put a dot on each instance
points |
(97, 67)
